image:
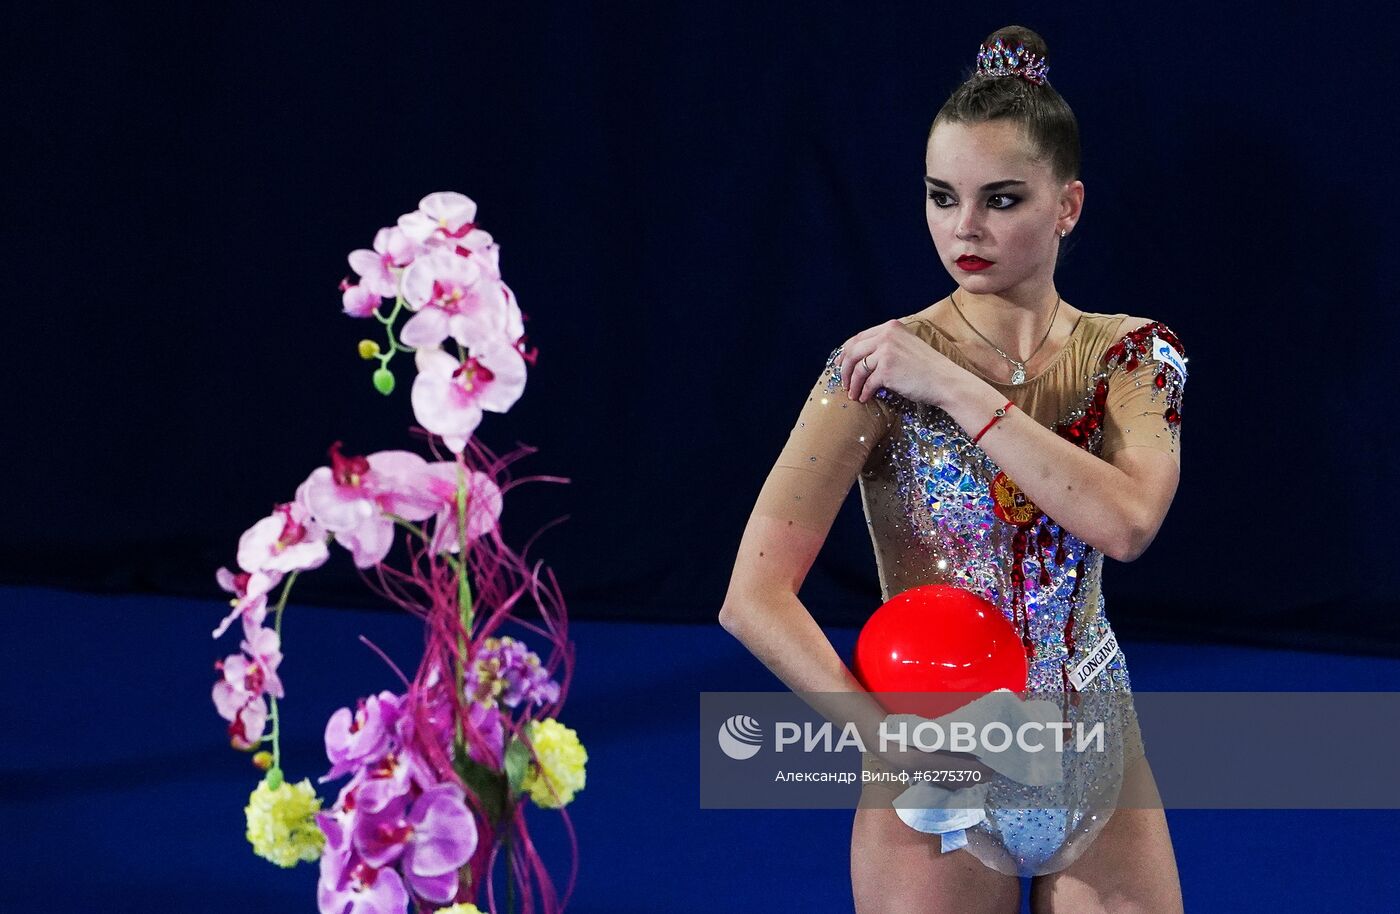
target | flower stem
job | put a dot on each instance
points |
(464, 590)
(388, 322)
(272, 713)
(421, 534)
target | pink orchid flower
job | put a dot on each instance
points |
(246, 731)
(242, 682)
(445, 219)
(263, 647)
(515, 327)
(289, 539)
(358, 301)
(449, 396)
(453, 298)
(238, 699)
(488, 260)
(250, 590)
(515, 319)
(378, 269)
(354, 496)
(484, 505)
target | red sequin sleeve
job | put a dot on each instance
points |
(1147, 372)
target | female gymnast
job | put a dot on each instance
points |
(1005, 442)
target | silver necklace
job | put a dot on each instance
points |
(1018, 367)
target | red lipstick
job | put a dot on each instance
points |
(972, 263)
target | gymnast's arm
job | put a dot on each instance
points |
(1115, 501)
(763, 611)
(799, 500)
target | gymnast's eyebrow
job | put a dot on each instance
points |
(995, 185)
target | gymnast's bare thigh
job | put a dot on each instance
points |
(898, 870)
(1130, 868)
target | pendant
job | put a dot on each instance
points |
(1018, 374)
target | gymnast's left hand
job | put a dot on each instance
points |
(891, 356)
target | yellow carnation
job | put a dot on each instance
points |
(561, 760)
(282, 822)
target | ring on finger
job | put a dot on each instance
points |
(865, 363)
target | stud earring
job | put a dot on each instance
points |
(1062, 233)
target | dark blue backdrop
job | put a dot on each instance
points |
(695, 204)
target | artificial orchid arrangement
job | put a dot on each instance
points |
(440, 773)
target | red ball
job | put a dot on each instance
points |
(946, 644)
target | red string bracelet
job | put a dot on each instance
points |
(995, 418)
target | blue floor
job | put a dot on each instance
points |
(119, 793)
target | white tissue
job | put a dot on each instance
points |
(1034, 768)
(931, 810)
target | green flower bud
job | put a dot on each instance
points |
(274, 778)
(384, 381)
(368, 349)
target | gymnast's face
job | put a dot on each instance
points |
(988, 195)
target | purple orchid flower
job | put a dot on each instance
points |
(429, 839)
(349, 883)
(354, 739)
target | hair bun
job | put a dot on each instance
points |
(1013, 51)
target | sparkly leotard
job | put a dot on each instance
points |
(940, 511)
